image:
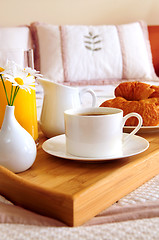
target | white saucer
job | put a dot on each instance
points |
(143, 129)
(56, 147)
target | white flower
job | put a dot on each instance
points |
(32, 72)
(18, 76)
(8, 68)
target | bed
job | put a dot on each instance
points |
(135, 216)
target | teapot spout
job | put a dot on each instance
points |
(42, 81)
(48, 84)
(45, 83)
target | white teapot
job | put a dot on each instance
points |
(57, 99)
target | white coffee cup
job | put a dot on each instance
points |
(96, 132)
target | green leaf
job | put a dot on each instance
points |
(97, 42)
(95, 36)
(88, 42)
(89, 48)
(96, 49)
(87, 37)
(92, 42)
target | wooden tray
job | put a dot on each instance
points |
(74, 192)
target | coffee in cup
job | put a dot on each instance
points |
(96, 132)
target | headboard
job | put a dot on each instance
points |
(154, 41)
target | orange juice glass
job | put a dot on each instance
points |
(25, 102)
(25, 109)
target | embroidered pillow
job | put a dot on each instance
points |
(81, 54)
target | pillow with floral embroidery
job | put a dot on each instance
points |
(82, 54)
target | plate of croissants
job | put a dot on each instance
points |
(137, 97)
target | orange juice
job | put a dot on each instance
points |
(25, 108)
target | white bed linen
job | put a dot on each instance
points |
(140, 229)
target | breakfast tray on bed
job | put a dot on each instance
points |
(74, 191)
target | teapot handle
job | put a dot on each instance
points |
(87, 90)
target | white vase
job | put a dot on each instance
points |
(17, 147)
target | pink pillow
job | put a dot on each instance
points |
(81, 54)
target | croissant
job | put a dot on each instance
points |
(135, 91)
(155, 94)
(149, 110)
(137, 97)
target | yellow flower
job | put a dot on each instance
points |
(19, 77)
(19, 81)
(1, 69)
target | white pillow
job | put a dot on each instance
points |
(81, 54)
(15, 37)
(13, 41)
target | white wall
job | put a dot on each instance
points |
(17, 12)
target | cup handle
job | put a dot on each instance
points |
(87, 90)
(136, 129)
